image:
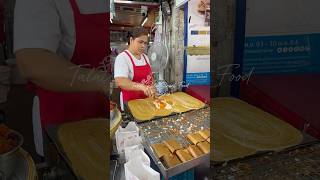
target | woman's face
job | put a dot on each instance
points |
(139, 44)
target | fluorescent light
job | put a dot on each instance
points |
(144, 21)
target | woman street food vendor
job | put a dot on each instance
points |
(56, 44)
(132, 70)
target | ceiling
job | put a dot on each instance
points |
(128, 14)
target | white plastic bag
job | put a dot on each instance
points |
(131, 127)
(127, 150)
(135, 169)
(127, 136)
(131, 141)
(134, 152)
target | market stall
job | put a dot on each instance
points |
(168, 135)
(266, 128)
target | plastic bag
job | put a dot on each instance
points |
(128, 136)
(135, 169)
(135, 151)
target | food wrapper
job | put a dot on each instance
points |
(136, 151)
(170, 160)
(128, 136)
(160, 149)
(204, 146)
(195, 138)
(205, 133)
(184, 155)
(194, 151)
(172, 145)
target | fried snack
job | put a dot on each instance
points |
(173, 145)
(225, 149)
(186, 100)
(204, 146)
(160, 150)
(184, 155)
(4, 130)
(208, 140)
(162, 104)
(7, 142)
(194, 151)
(170, 160)
(85, 144)
(148, 108)
(252, 127)
(195, 138)
(205, 133)
(163, 108)
(142, 109)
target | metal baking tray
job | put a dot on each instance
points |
(175, 127)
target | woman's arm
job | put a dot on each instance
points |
(127, 84)
(49, 71)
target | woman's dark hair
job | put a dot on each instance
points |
(137, 32)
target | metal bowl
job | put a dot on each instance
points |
(9, 159)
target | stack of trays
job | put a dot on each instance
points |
(179, 142)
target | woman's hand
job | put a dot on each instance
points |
(127, 84)
(149, 91)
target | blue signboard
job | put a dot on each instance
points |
(282, 54)
(197, 34)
